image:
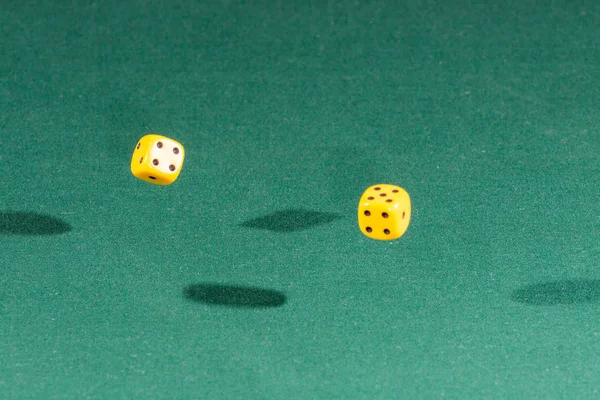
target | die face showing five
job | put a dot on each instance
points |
(384, 212)
(157, 159)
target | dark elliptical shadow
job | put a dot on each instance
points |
(291, 220)
(29, 223)
(234, 296)
(564, 292)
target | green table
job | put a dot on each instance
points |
(248, 277)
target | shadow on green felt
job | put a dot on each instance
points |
(28, 223)
(234, 296)
(291, 220)
(570, 291)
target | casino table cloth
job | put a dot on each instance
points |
(248, 277)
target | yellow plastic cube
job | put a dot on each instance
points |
(157, 159)
(384, 212)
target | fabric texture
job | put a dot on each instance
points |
(248, 278)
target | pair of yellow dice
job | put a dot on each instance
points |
(384, 212)
(157, 159)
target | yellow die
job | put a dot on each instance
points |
(157, 159)
(384, 212)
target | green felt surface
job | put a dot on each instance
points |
(248, 277)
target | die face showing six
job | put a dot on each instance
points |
(384, 212)
(157, 159)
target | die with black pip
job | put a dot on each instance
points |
(384, 212)
(157, 159)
